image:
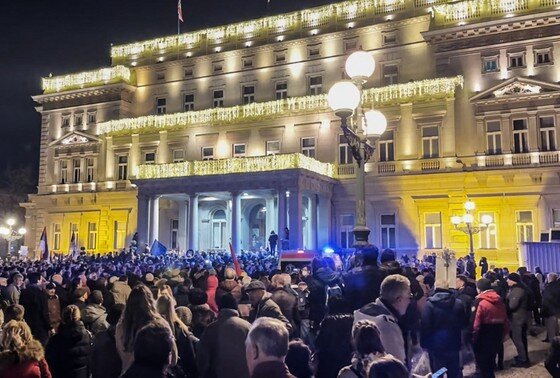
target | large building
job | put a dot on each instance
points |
(224, 134)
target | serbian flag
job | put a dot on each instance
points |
(44, 246)
(235, 261)
(158, 249)
(180, 11)
(74, 246)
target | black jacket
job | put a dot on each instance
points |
(443, 319)
(104, 358)
(551, 299)
(34, 300)
(362, 285)
(317, 294)
(68, 351)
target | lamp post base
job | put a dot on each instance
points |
(361, 236)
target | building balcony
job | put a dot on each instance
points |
(236, 165)
(87, 79)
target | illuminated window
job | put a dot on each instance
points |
(174, 227)
(189, 102)
(556, 218)
(390, 73)
(239, 150)
(90, 169)
(387, 146)
(430, 142)
(161, 106)
(315, 85)
(248, 94)
(520, 134)
(547, 133)
(281, 90)
(57, 231)
(308, 147)
(490, 64)
(488, 236)
(493, 137)
(150, 157)
(92, 235)
(78, 120)
(388, 231)
(389, 38)
(516, 60)
(122, 167)
(76, 170)
(207, 153)
(543, 56)
(344, 151)
(272, 147)
(432, 230)
(119, 235)
(178, 155)
(63, 172)
(346, 227)
(218, 98)
(524, 226)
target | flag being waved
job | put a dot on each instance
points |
(74, 246)
(180, 11)
(235, 261)
(158, 249)
(44, 246)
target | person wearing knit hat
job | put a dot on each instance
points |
(519, 306)
(490, 326)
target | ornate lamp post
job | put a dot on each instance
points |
(345, 99)
(10, 234)
(467, 224)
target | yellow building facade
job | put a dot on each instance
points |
(224, 134)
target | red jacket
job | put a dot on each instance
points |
(490, 310)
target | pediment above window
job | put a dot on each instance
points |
(517, 87)
(75, 138)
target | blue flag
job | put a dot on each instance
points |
(158, 249)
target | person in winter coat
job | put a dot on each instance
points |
(285, 299)
(53, 307)
(153, 351)
(212, 286)
(362, 284)
(519, 307)
(490, 326)
(121, 290)
(185, 340)
(222, 345)
(21, 356)
(443, 319)
(552, 362)
(230, 285)
(13, 291)
(298, 359)
(393, 301)
(34, 300)
(104, 358)
(333, 347)
(551, 305)
(94, 315)
(533, 284)
(466, 292)
(262, 304)
(321, 276)
(483, 264)
(67, 352)
(108, 298)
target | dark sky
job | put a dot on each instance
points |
(61, 36)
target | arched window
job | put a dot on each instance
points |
(219, 229)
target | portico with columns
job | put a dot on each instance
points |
(206, 213)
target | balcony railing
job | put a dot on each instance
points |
(346, 170)
(236, 165)
(430, 165)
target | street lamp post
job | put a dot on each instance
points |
(10, 234)
(467, 224)
(345, 99)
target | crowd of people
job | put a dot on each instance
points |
(202, 315)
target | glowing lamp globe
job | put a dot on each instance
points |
(469, 205)
(4, 231)
(456, 220)
(22, 231)
(11, 221)
(486, 219)
(376, 123)
(468, 218)
(343, 98)
(360, 65)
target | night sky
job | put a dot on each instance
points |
(62, 36)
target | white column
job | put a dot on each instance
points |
(324, 220)
(281, 216)
(183, 216)
(296, 234)
(154, 218)
(270, 217)
(236, 221)
(143, 220)
(313, 230)
(135, 158)
(193, 222)
(110, 160)
(163, 148)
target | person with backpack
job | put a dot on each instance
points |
(363, 283)
(323, 285)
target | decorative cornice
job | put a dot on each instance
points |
(96, 78)
(417, 91)
(83, 93)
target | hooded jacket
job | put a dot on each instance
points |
(94, 317)
(317, 294)
(388, 325)
(67, 352)
(443, 319)
(25, 362)
(490, 312)
(518, 304)
(268, 308)
(120, 291)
